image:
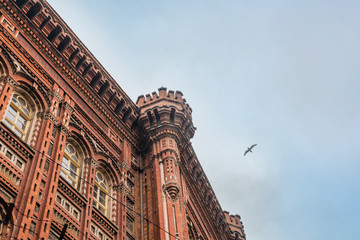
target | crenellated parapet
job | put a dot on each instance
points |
(171, 96)
(236, 227)
(166, 112)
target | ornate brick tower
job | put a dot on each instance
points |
(79, 159)
(166, 118)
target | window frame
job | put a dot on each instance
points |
(18, 112)
(66, 171)
(97, 190)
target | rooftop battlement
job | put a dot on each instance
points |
(235, 224)
(175, 97)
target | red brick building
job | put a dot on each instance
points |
(79, 159)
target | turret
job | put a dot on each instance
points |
(166, 119)
(166, 109)
(236, 227)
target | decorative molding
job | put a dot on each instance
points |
(65, 130)
(124, 165)
(73, 194)
(122, 188)
(172, 190)
(68, 107)
(103, 221)
(91, 162)
(47, 116)
(10, 80)
(56, 95)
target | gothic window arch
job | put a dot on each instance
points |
(18, 115)
(101, 193)
(70, 166)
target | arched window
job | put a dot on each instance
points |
(101, 190)
(70, 164)
(18, 115)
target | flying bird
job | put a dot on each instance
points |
(249, 149)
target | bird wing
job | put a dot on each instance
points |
(246, 152)
(253, 146)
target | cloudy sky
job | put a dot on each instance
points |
(283, 74)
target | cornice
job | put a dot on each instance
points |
(73, 194)
(194, 189)
(104, 222)
(99, 131)
(62, 66)
(23, 149)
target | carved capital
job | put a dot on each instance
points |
(56, 95)
(9, 80)
(124, 165)
(92, 162)
(47, 116)
(68, 107)
(122, 189)
(64, 130)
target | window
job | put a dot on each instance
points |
(17, 116)
(37, 207)
(32, 228)
(99, 233)
(100, 192)
(129, 224)
(130, 186)
(70, 164)
(130, 205)
(51, 146)
(68, 206)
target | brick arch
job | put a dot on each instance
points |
(28, 87)
(77, 135)
(7, 65)
(109, 169)
(38, 103)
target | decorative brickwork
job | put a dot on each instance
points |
(75, 150)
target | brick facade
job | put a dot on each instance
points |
(78, 157)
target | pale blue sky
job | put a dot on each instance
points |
(283, 74)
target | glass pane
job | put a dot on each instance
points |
(70, 181)
(22, 101)
(102, 197)
(99, 177)
(21, 122)
(65, 162)
(18, 133)
(102, 184)
(7, 123)
(11, 114)
(102, 210)
(14, 99)
(73, 167)
(71, 149)
(26, 111)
